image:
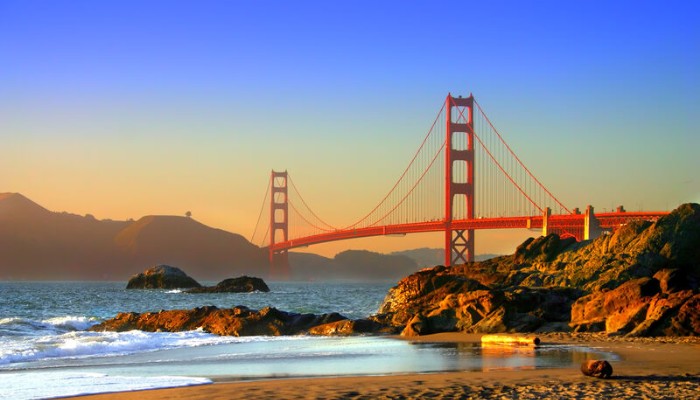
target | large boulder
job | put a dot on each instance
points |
(236, 321)
(640, 307)
(444, 300)
(242, 284)
(162, 277)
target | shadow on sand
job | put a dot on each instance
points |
(657, 378)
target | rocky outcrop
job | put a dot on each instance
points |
(162, 277)
(236, 321)
(242, 284)
(642, 279)
(462, 304)
(641, 307)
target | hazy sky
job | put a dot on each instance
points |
(122, 109)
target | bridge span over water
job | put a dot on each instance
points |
(463, 177)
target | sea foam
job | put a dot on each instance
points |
(82, 344)
(52, 384)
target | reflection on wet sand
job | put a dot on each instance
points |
(491, 356)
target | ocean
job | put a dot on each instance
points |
(46, 350)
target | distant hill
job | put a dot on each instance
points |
(38, 244)
(356, 265)
(427, 257)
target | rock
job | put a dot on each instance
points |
(544, 248)
(615, 310)
(162, 277)
(597, 368)
(637, 308)
(417, 326)
(672, 280)
(687, 321)
(243, 284)
(348, 327)
(660, 315)
(444, 300)
(236, 321)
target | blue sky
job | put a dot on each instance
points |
(122, 109)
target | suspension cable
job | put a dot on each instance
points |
(505, 173)
(518, 159)
(430, 132)
(262, 209)
(440, 150)
(307, 206)
(307, 221)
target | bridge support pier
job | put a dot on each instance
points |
(459, 245)
(459, 177)
(591, 225)
(279, 223)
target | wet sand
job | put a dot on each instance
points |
(649, 368)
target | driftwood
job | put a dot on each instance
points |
(510, 339)
(597, 368)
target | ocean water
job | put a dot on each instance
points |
(46, 350)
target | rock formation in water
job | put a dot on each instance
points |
(162, 277)
(236, 321)
(242, 284)
(643, 279)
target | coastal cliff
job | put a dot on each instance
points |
(641, 280)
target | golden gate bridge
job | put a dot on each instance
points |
(462, 178)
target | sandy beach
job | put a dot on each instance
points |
(649, 368)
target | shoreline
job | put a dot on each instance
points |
(664, 367)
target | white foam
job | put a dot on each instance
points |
(43, 385)
(81, 344)
(28, 326)
(71, 322)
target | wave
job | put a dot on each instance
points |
(29, 386)
(72, 323)
(26, 326)
(83, 344)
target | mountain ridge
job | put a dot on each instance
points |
(36, 243)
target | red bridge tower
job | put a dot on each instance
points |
(459, 177)
(279, 222)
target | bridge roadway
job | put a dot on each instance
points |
(555, 222)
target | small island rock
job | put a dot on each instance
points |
(162, 277)
(242, 284)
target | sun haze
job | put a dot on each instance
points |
(125, 109)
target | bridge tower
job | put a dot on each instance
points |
(279, 223)
(459, 176)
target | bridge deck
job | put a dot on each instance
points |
(555, 222)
